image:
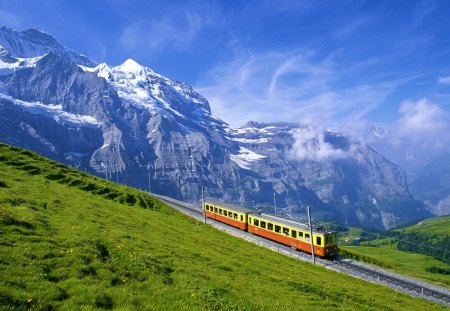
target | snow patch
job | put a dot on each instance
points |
(21, 63)
(251, 141)
(55, 112)
(245, 158)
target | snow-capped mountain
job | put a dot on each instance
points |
(33, 43)
(132, 125)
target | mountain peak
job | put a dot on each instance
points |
(131, 65)
(32, 43)
(34, 33)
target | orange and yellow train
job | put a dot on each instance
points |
(274, 228)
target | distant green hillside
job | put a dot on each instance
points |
(421, 250)
(438, 225)
(73, 241)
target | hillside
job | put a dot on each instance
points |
(70, 240)
(437, 225)
(421, 250)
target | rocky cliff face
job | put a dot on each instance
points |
(431, 184)
(130, 124)
(360, 188)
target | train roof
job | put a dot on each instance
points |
(290, 223)
(230, 206)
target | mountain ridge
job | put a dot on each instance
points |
(152, 132)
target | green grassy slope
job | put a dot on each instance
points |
(72, 241)
(414, 265)
(438, 225)
(409, 259)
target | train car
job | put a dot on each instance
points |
(232, 215)
(293, 234)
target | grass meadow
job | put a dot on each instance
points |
(71, 241)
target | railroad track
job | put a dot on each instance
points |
(404, 284)
(363, 271)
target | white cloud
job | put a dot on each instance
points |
(424, 123)
(311, 144)
(444, 80)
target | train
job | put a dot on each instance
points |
(284, 231)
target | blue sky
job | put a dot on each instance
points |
(339, 62)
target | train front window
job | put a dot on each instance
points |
(286, 231)
(277, 229)
(263, 224)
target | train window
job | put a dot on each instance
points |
(319, 240)
(230, 214)
(242, 218)
(307, 237)
(263, 224)
(235, 216)
(286, 231)
(277, 229)
(294, 234)
(256, 222)
(215, 210)
(300, 235)
(250, 219)
(269, 226)
(220, 211)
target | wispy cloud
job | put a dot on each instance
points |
(444, 80)
(174, 31)
(9, 19)
(284, 86)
